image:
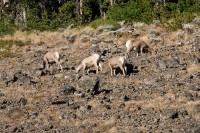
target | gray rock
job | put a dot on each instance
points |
(96, 40)
(89, 84)
(162, 65)
(55, 99)
(84, 39)
(87, 32)
(150, 81)
(105, 27)
(169, 114)
(66, 90)
(70, 38)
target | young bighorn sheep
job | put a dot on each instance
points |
(93, 60)
(138, 45)
(115, 62)
(52, 56)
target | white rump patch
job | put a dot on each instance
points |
(57, 55)
(122, 60)
(128, 43)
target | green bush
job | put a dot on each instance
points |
(6, 28)
(137, 10)
(173, 15)
(100, 22)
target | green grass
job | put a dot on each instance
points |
(5, 47)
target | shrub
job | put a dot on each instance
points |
(6, 28)
(137, 10)
(6, 45)
(101, 22)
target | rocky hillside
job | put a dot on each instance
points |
(161, 92)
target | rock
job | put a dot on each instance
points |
(162, 65)
(105, 27)
(59, 75)
(196, 87)
(125, 98)
(85, 108)
(89, 84)
(16, 113)
(169, 114)
(87, 32)
(66, 90)
(109, 40)
(96, 40)
(47, 127)
(55, 99)
(70, 38)
(18, 129)
(22, 101)
(21, 78)
(150, 81)
(84, 39)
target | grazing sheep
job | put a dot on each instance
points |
(52, 56)
(115, 62)
(137, 46)
(93, 60)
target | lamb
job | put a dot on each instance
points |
(52, 56)
(93, 60)
(138, 45)
(117, 61)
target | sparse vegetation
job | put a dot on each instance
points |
(103, 22)
(5, 47)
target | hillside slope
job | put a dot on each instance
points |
(161, 92)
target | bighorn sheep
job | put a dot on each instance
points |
(93, 60)
(117, 61)
(138, 45)
(52, 56)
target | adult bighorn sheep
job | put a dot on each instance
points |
(137, 46)
(52, 56)
(93, 60)
(115, 62)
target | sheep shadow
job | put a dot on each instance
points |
(131, 69)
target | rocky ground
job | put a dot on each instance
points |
(161, 92)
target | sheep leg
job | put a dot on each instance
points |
(114, 72)
(47, 65)
(125, 69)
(84, 67)
(137, 54)
(126, 55)
(100, 66)
(97, 68)
(59, 65)
(111, 70)
(88, 70)
(122, 68)
(61, 68)
(141, 50)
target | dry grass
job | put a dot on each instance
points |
(193, 68)
(168, 101)
(106, 125)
